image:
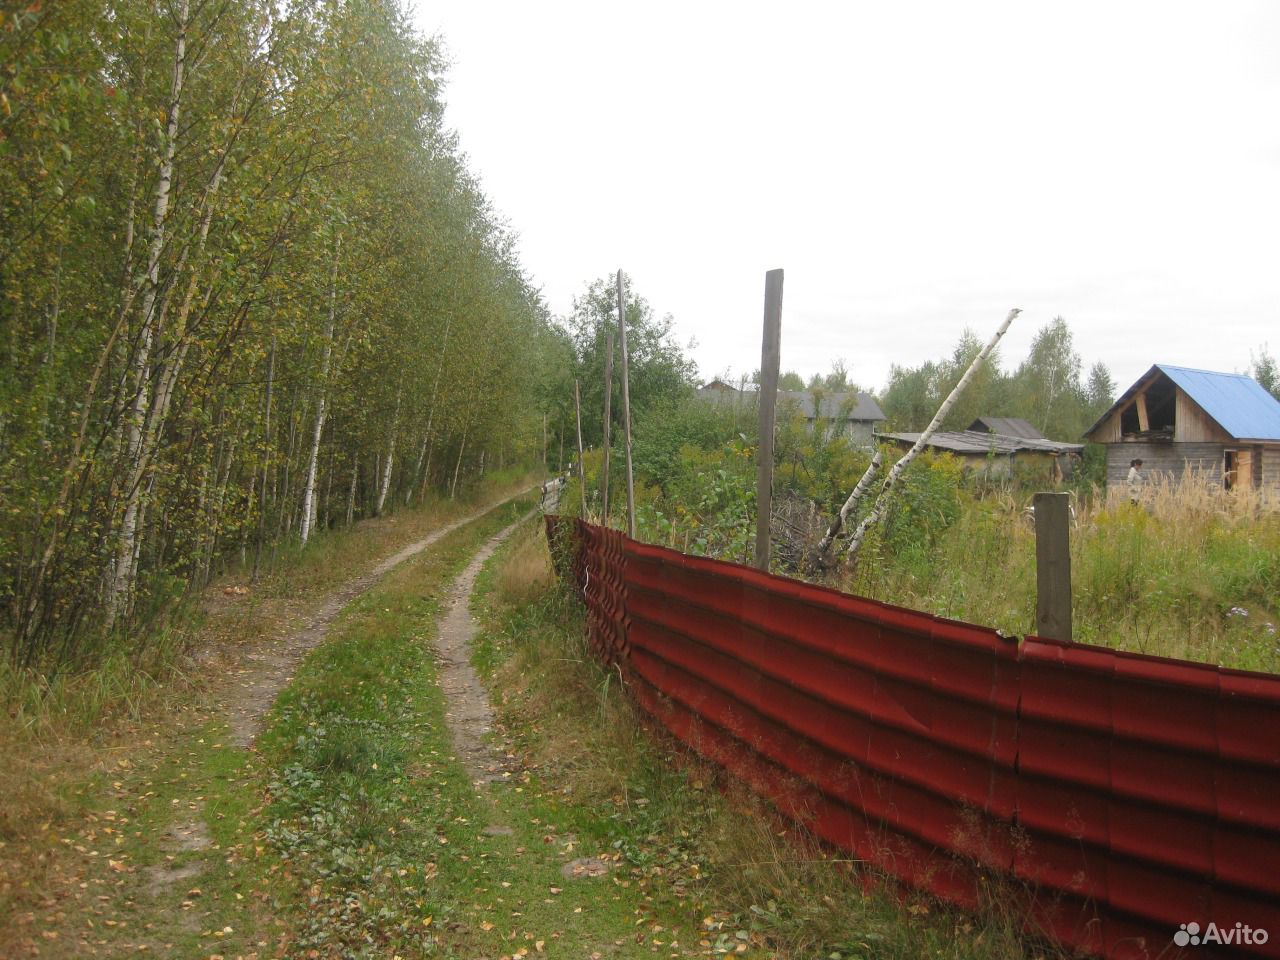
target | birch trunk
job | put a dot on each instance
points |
(351, 492)
(266, 459)
(424, 457)
(895, 474)
(391, 455)
(850, 505)
(309, 487)
(453, 489)
(122, 577)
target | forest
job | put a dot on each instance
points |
(248, 290)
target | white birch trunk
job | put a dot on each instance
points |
(123, 575)
(309, 486)
(453, 489)
(351, 493)
(391, 455)
(424, 458)
(895, 474)
(850, 505)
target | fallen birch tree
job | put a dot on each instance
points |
(895, 474)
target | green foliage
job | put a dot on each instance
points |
(1045, 389)
(1263, 368)
(256, 294)
(658, 370)
(665, 429)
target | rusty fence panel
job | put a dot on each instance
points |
(1117, 796)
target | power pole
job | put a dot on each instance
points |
(626, 413)
(770, 357)
(608, 400)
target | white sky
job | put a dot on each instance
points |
(915, 167)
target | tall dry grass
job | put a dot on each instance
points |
(1191, 571)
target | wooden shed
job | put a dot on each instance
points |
(1223, 426)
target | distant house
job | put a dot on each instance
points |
(849, 414)
(1223, 426)
(996, 454)
(717, 386)
(1007, 427)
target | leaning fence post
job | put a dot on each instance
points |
(770, 355)
(1053, 565)
(608, 421)
(626, 413)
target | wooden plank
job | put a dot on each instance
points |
(626, 413)
(608, 402)
(770, 357)
(1144, 424)
(582, 469)
(1053, 565)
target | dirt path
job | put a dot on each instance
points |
(468, 712)
(265, 671)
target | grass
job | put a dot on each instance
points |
(136, 738)
(756, 887)
(1192, 572)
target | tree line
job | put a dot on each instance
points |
(248, 289)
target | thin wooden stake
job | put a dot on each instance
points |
(582, 470)
(626, 413)
(770, 356)
(1053, 565)
(608, 402)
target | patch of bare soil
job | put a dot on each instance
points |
(467, 709)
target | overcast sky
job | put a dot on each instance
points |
(915, 168)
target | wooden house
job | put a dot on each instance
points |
(850, 414)
(998, 456)
(1223, 427)
(845, 413)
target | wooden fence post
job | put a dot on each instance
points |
(770, 356)
(608, 402)
(626, 413)
(582, 469)
(1053, 565)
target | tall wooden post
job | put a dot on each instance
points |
(626, 413)
(1053, 565)
(582, 470)
(770, 356)
(608, 403)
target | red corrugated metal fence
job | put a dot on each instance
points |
(1120, 795)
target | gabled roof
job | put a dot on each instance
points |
(1007, 427)
(975, 441)
(860, 406)
(1237, 403)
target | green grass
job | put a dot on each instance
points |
(1192, 573)
(384, 833)
(99, 766)
(751, 886)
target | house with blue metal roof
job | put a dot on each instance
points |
(1224, 427)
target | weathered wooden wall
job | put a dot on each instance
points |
(1270, 470)
(1173, 459)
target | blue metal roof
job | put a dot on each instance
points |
(1238, 403)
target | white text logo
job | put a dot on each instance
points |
(1190, 934)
